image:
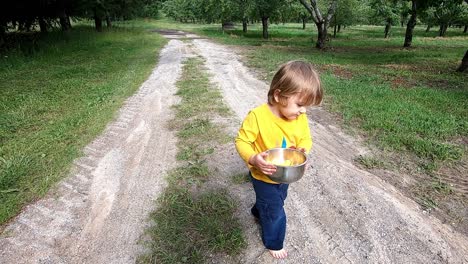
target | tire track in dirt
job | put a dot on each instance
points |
(337, 213)
(99, 213)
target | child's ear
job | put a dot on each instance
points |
(276, 95)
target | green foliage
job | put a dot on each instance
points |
(347, 13)
(386, 12)
(445, 13)
(56, 100)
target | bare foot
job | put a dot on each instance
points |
(279, 254)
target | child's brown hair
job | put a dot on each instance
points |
(296, 77)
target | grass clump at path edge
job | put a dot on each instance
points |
(190, 222)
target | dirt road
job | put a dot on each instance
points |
(337, 213)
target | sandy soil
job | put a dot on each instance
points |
(337, 213)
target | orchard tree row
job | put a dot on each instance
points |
(325, 13)
(25, 15)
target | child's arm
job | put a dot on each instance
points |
(305, 141)
(245, 145)
(246, 137)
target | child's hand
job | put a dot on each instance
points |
(259, 162)
(300, 149)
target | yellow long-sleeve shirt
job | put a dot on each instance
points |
(262, 130)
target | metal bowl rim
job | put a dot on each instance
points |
(304, 154)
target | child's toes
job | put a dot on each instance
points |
(279, 254)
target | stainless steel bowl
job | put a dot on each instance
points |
(290, 164)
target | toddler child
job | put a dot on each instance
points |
(282, 122)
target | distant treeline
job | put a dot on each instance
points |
(30, 15)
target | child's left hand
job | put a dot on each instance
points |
(300, 149)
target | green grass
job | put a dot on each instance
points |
(57, 97)
(240, 178)
(189, 228)
(370, 162)
(190, 222)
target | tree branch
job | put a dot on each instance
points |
(332, 9)
(311, 10)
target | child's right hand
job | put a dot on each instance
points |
(259, 162)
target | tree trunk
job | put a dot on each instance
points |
(97, 22)
(68, 22)
(108, 21)
(387, 29)
(304, 23)
(64, 22)
(334, 29)
(428, 28)
(339, 28)
(464, 63)
(410, 26)
(443, 30)
(265, 27)
(466, 28)
(320, 22)
(2, 33)
(42, 25)
(322, 35)
(28, 24)
(244, 25)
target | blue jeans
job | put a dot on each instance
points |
(269, 210)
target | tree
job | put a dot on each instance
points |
(464, 63)
(320, 21)
(265, 9)
(416, 7)
(462, 20)
(219, 11)
(386, 12)
(185, 10)
(444, 13)
(346, 14)
(294, 11)
(244, 9)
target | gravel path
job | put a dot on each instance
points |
(337, 213)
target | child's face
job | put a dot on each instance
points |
(295, 107)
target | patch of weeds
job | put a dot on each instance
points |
(193, 173)
(193, 151)
(441, 187)
(429, 194)
(427, 202)
(170, 236)
(216, 222)
(191, 224)
(196, 128)
(198, 94)
(240, 178)
(370, 162)
(188, 228)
